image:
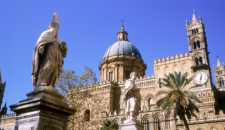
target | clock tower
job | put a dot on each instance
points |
(198, 51)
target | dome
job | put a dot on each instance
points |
(122, 48)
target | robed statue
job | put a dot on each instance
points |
(48, 56)
(132, 99)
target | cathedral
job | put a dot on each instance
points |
(104, 100)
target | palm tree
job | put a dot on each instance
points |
(177, 97)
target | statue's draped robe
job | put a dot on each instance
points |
(132, 98)
(47, 66)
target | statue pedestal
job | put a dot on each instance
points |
(44, 109)
(131, 125)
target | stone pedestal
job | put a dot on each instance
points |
(132, 125)
(44, 109)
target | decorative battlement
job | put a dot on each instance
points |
(171, 58)
(141, 82)
(99, 85)
(11, 115)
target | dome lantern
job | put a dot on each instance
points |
(122, 35)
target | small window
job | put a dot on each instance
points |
(196, 61)
(87, 115)
(194, 31)
(110, 76)
(200, 61)
(149, 103)
(220, 73)
(194, 45)
(221, 83)
(198, 45)
(127, 74)
(159, 125)
(160, 84)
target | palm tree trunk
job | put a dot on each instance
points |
(183, 118)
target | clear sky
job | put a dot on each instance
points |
(156, 27)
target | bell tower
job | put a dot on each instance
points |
(219, 72)
(198, 51)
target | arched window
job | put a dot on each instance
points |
(145, 122)
(220, 72)
(213, 128)
(87, 115)
(221, 83)
(150, 103)
(158, 122)
(198, 45)
(157, 125)
(196, 61)
(200, 61)
(194, 31)
(194, 45)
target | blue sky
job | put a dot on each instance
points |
(156, 27)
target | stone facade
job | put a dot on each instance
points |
(8, 121)
(105, 100)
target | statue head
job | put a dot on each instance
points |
(55, 22)
(132, 75)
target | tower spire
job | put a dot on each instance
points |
(218, 62)
(194, 19)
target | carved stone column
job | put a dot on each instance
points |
(43, 109)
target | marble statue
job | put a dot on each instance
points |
(48, 56)
(131, 99)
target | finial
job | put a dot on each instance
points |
(218, 61)
(194, 19)
(200, 20)
(186, 23)
(122, 26)
(122, 22)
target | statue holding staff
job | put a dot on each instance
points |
(48, 56)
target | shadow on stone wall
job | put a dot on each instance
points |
(219, 100)
(117, 99)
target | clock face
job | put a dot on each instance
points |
(200, 78)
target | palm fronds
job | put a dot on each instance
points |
(175, 96)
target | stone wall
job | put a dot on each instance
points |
(8, 121)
